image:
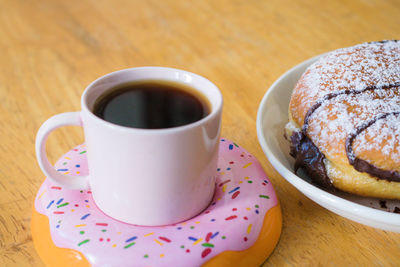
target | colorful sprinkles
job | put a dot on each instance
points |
(131, 239)
(40, 196)
(233, 190)
(231, 218)
(243, 196)
(192, 238)
(56, 187)
(83, 242)
(164, 239)
(51, 203)
(197, 241)
(62, 205)
(130, 245)
(85, 216)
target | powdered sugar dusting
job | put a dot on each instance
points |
(385, 136)
(354, 69)
(338, 117)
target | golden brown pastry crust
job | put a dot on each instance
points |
(353, 86)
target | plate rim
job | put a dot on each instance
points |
(324, 198)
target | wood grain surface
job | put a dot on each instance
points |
(51, 50)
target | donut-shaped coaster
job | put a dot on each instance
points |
(240, 227)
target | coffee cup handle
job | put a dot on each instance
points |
(63, 119)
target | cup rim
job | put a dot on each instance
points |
(214, 110)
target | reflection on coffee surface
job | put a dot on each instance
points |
(152, 104)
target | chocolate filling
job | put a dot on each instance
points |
(309, 157)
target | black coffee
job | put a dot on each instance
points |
(151, 105)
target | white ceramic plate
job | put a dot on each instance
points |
(271, 119)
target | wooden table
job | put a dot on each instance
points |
(51, 50)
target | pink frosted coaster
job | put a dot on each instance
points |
(231, 222)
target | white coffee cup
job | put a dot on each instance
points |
(143, 176)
